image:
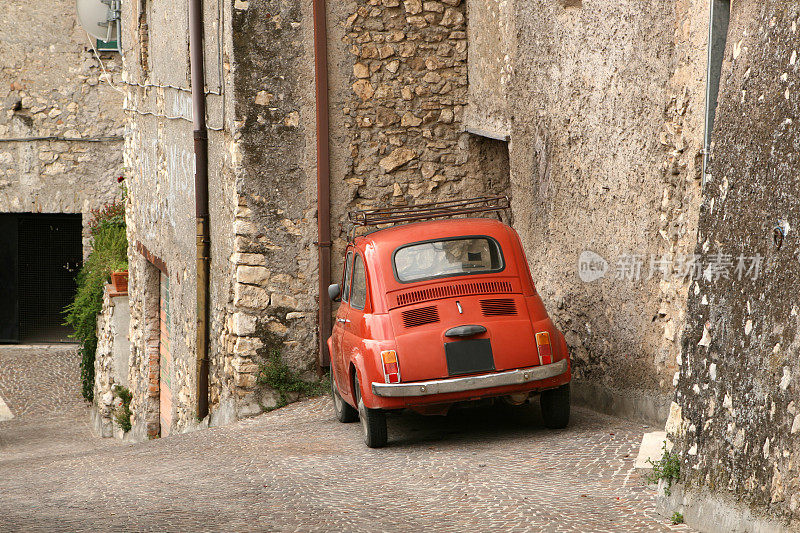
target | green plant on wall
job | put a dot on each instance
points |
(277, 375)
(109, 253)
(667, 468)
(122, 414)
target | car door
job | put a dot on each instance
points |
(354, 324)
(337, 367)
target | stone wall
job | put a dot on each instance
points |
(161, 211)
(111, 364)
(54, 88)
(737, 419)
(604, 103)
(274, 299)
(398, 90)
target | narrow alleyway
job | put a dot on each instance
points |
(297, 469)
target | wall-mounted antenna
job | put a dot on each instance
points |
(101, 19)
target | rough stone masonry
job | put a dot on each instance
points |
(61, 120)
(612, 170)
(737, 422)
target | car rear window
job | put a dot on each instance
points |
(447, 257)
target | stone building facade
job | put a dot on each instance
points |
(61, 139)
(62, 124)
(398, 78)
(588, 114)
(736, 422)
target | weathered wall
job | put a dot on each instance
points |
(112, 360)
(605, 105)
(274, 305)
(53, 86)
(160, 215)
(398, 90)
(738, 383)
(399, 95)
(490, 33)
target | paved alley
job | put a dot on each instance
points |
(297, 469)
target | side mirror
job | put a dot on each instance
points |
(334, 292)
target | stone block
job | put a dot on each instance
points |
(363, 89)
(360, 70)
(253, 275)
(397, 158)
(452, 17)
(248, 259)
(413, 6)
(244, 365)
(247, 346)
(250, 297)
(284, 300)
(243, 324)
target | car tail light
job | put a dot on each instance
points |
(391, 368)
(543, 345)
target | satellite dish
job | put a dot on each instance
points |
(100, 18)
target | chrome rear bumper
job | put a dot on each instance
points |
(483, 381)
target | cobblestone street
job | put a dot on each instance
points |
(297, 469)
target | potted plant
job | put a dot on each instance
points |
(119, 278)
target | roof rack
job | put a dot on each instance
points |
(392, 215)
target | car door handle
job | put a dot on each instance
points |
(342, 320)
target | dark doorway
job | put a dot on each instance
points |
(40, 255)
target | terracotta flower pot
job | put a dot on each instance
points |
(120, 280)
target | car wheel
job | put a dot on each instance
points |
(344, 411)
(373, 422)
(555, 407)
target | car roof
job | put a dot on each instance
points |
(431, 229)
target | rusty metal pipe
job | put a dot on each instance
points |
(196, 58)
(323, 177)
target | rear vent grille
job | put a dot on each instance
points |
(498, 307)
(456, 289)
(418, 317)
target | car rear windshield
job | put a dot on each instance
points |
(447, 257)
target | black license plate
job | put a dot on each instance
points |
(469, 357)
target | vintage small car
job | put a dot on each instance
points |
(438, 312)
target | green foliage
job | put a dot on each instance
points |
(677, 518)
(122, 414)
(109, 253)
(667, 468)
(277, 375)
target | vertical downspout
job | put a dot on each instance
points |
(196, 59)
(323, 177)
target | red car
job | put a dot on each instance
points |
(438, 312)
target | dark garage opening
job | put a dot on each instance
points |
(40, 255)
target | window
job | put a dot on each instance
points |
(347, 271)
(358, 297)
(447, 257)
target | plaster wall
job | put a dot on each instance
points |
(737, 419)
(159, 156)
(604, 101)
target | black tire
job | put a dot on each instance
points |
(373, 422)
(344, 411)
(555, 407)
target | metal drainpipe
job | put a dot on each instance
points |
(323, 177)
(196, 58)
